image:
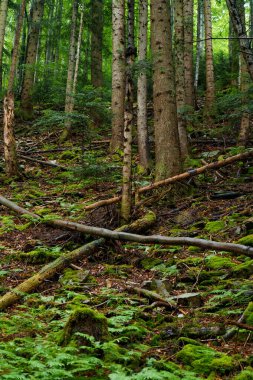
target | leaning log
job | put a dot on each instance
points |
(57, 266)
(180, 177)
(126, 236)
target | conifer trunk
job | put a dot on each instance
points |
(167, 148)
(210, 86)
(3, 17)
(96, 43)
(180, 78)
(188, 52)
(142, 126)
(118, 73)
(31, 55)
(200, 43)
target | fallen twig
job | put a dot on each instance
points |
(45, 163)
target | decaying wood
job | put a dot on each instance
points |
(45, 163)
(180, 177)
(152, 239)
(56, 267)
(152, 296)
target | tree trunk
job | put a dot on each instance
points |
(78, 51)
(96, 43)
(142, 126)
(128, 120)
(240, 30)
(234, 53)
(3, 17)
(167, 148)
(200, 43)
(188, 52)
(69, 100)
(118, 73)
(210, 85)
(32, 44)
(10, 156)
(180, 79)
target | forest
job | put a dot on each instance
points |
(126, 182)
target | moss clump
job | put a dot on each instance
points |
(243, 270)
(215, 226)
(40, 255)
(247, 240)
(248, 314)
(150, 262)
(218, 262)
(204, 360)
(74, 279)
(247, 374)
(85, 321)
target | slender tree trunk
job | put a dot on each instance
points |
(3, 17)
(118, 73)
(96, 43)
(240, 30)
(78, 51)
(180, 78)
(59, 12)
(69, 100)
(188, 52)
(200, 43)
(167, 148)
(10, 155)
(142, 125)
(210, 86)
(32, 45)
(126, 203)
(234, 53)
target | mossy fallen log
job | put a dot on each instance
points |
(66, 260)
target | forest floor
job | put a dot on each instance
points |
(188, 338)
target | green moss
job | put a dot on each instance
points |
(247, 240)
(215, 226)
(243, 270)
(204, 360)
(150, 262)
(73, 279)
(247, 374)
(68, 155)
(85, 321)
(249, 314)
(217, 262)
(194, 249)
(40, 255)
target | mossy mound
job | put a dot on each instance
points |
(86, 321)
(204, 360)
(243, 270)
(150, 262)
(40, 255)
(247, 240)
(215, 226)
(74, 279)
(218, 262)
(247, 374)
(248, 314)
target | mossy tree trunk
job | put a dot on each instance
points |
(118, 73)
(167, 146)
(180, 75)
(31, 57)
(142, 126)
(3, 17)
(96, 43)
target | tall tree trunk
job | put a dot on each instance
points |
(78, 52)
(10, 156)
(32, 45)
(96, 43)
(234, 53)
(240, 30)
(3, 17)
(142, 123)
(244, 87)
(69, 100)
(210, 85)
(59, 12)
(188, 52)
(180, 79)
(200, 43)
(118, 73)
(167, 148)
(128, 120)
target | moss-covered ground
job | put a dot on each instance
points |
(193, 338)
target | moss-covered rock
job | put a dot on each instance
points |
(74, 279)
(243, 270)
(205, 360)
(218, 262)
(85, 321)
(247, 240)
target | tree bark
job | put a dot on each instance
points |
(32, 45)
(188, 52)
(210, 85)
(200, 43)
(142, 126)
(118, 73)
(180, 75)
(78, 51)
(3, 17)
(126, 203)
(167, 148)
(96, 43)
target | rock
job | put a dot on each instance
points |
(189, 299)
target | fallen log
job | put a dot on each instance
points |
(64, 261)
(180, 177)
(44, 163)
(151, 239)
